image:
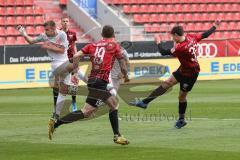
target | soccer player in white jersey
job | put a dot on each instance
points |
(116, 74)
(56, 43)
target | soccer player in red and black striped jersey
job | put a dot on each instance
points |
(186, 52)
(102, 55)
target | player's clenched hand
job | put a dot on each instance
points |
(21, 30)
(217, 22)
(45, 45)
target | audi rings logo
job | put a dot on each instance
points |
(207, 50)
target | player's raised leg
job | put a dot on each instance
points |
(156, 93)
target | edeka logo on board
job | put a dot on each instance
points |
(225, 67)
(41, 75)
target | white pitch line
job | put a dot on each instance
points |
(122, 117)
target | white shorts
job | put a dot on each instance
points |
(60, 67)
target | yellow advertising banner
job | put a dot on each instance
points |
(151, 70)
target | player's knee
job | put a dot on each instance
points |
(182, 98)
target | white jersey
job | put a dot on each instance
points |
(59, 40)
(116, 69)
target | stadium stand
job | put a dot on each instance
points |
(31, 14)
(194, 15)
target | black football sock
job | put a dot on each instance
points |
(157, 92)
(71, 117)
(73, 99)
(113, 117)
(55, 95)
(182, 109)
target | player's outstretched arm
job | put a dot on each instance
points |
(124, 70)
(23, 32)
(164, 51)
(211, 30)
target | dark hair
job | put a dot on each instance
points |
(108, 31)
(49, 23)
(177, 30)
(64, 16)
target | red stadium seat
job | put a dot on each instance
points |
(143, 9)
(2, 21)
(179, 17)
(227, 7)
(10, 3)
(20, 40)
(30, 30)
(152, 8)
(145, 18)
(63, 2)
(28, 2)
(229, 16)
(232, 26)
(202, 8)
(190, 27)
(188, 17)
(147, 28)
(196, 17)
(29, 20)
(10, 41)
(218, 35)
(19, 2)
(2, 31)
(39, 20)
(134, 8)
(10, 11)
(235, 7)
(198, 27)
(211, 7)
(2, 40)
(177, 7)
(39, 30)
(11, 31)
(154, 18)
(221, 16)
(223, 26)
(20, 20)
(38, 10)
(226, 34)
(137, 18)
(212, 16)
(164, 27)
(238, 26)
(168, 8)
(162, 18)
(2, 11)
(236, 16)
(2, 3)
(219, 8)
(160, 8)
(10, 21)
(204, 17)
(171, 17)
(194, 8)
(235, 35)
(127, 9)
(28, 11)
(186, 8)
(156, 27)
(19, 11)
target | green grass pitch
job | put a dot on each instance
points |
(212, 133)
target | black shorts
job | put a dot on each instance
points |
(186, 83)
(97, 91)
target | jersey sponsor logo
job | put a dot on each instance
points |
(207, 50)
